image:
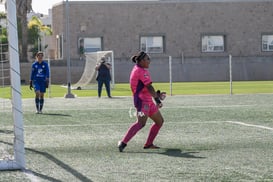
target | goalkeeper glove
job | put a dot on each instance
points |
(161, 95)
(47, 83)
(30, 85)
(158, 102)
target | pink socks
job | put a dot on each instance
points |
(153, 133)
(135, 127)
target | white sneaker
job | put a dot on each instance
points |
(39, 112)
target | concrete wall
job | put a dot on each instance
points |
(185, 70)
(196, 69)
(58, 70)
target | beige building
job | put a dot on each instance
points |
(199, 35)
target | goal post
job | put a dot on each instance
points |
(89, 74)
(17, 159)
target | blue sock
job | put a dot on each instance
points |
(37, 103)
(41, 104)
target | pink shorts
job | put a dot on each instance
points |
(149, 108)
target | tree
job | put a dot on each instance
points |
(3, 15)
(23, 7)
(35, 22)
(3, 38)
(36, 27)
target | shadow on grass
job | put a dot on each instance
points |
(57, 114)
(171, 153)
(113, 97)
(179, 153)
(6, 131)
(41, 175)
(58, 162)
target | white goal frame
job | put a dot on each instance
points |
(18, 161)
(89, 74)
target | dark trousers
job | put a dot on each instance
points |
(107, 86)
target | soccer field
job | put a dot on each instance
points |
(204, 138)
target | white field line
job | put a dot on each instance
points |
(31, 176)
(250, 125)
(167, 107)
(211, 106)
(122, 124)
(130, 108)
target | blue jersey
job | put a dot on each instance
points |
(39, 71)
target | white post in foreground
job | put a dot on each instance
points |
(19, 151)
(170, 75)
(230, 73)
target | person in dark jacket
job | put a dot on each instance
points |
(104, 76)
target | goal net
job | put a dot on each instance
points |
(88, 78)
(12, 152)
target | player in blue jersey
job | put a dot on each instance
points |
(39, 80)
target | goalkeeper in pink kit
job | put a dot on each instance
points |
(146, 101)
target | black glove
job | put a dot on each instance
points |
(157, 100)
(47, 83)
(30, 85)
(161, 95)
(158, 93)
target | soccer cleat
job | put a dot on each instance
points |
(121, 146)
(152, 146)
(39, 112)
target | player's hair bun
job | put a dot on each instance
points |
(138, 57)
(134, 58)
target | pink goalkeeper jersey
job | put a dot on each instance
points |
(139, 78)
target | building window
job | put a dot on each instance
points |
(89, 44)
(267, 43)
(152, 44)
(213, 43)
